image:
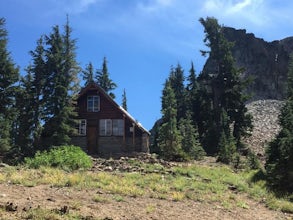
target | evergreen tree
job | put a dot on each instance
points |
(71, 68)
(30, 102)
(177, 83)
(60, 86)
(279, 162)
(124, 100)
(24, 141)
(190, 139)
(8, 77)
(222, 89)
(154, 146)
(169, 139)
(207, 127)
(227, 147)
(104, 81)
(192, 95)
(88, 74)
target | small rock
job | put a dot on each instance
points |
(64, 210)
(10, 207)
(109, 168)
(4, 165)
(51, 200)
(26, 208)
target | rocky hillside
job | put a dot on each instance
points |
(265, 63)
(265, 122)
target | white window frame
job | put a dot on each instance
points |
(82, 127)
(111, 127)
(118, 127)
(93, 103)
(105, 127)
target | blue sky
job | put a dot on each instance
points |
(141, 39)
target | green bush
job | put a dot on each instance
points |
(64, 157)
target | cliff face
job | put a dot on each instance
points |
(266, 63)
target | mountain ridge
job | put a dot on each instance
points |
(265, 63)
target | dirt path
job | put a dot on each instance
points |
(116, 207)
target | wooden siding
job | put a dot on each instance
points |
(133, 139)
(107, 109)
(80, 141)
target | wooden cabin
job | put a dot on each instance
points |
(104, 127)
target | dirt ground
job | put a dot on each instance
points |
(82, 201)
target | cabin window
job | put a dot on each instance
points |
(82, 127)
(93, 103)
(105, 127)
(118, 127)
(110, 127)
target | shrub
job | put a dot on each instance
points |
(65, 157)
(253, 161)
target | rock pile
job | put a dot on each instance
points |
(136, 162)
(265, 124)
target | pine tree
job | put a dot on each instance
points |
(104, 81)
(71, 68)
(60, 86)
(177, 83)
(8, 77)
(24, 103)
(169, 139)
(192, 96)
(279, 162)
(227, 147)
(222, 88)
(88, 74)
(30, 102)
(190, 139)
(124, 100)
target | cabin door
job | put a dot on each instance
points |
(92, 140)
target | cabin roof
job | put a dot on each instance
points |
(94, 86)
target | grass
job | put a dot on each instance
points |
(118, 198)
(194, 182)
(100, 199)
(45, 214)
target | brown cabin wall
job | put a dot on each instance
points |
(107, 109)
(80, 141)
(112, 145)
(107, 145)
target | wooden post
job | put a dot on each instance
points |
(124, 131)
(133, 136)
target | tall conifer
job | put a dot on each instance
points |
(192, 96)
(279, 162)
(177, 83)
(190, 139)
(88, 73)
(222, 87)
(25, 101)
(169, 138)
(124, 100)
(104, 80)
(30, 102)
(8, 77)
(60, 87)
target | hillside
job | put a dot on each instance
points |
(142, 187)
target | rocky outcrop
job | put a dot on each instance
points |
(265, 63)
